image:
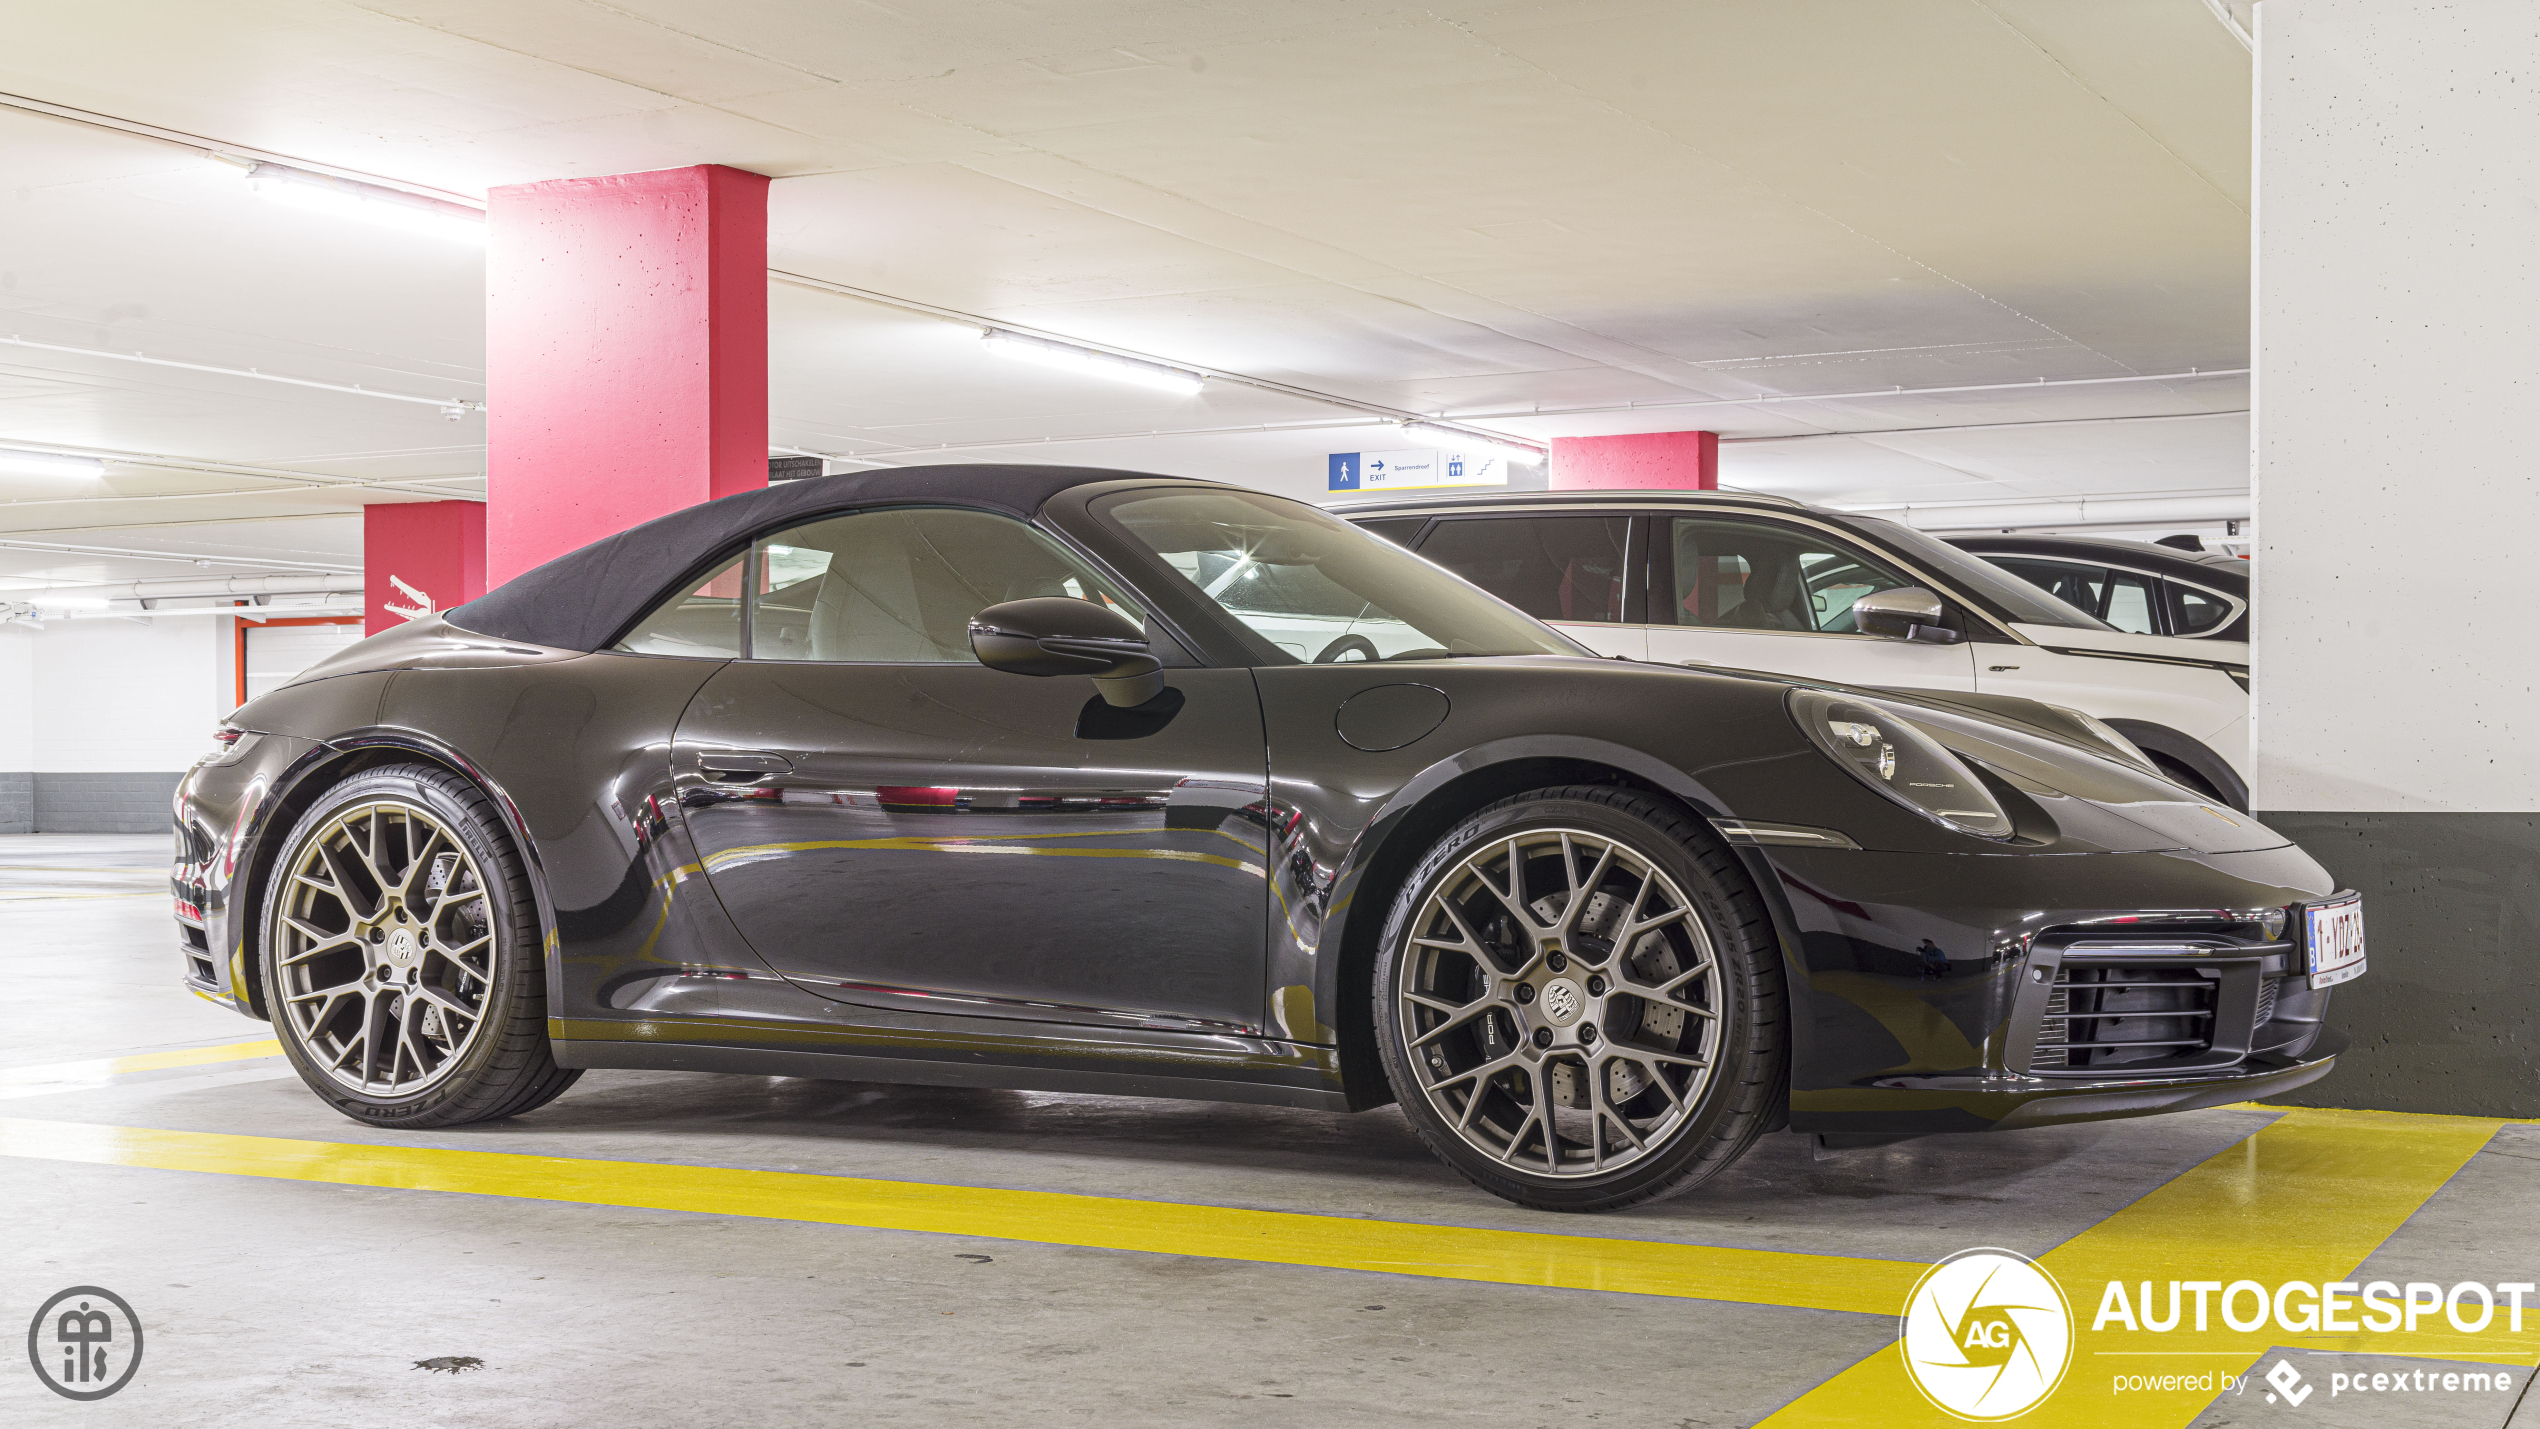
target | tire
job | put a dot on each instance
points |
(1529, 1054)
(401, 955)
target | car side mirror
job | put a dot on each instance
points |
(1907, 613)
(1055, 635)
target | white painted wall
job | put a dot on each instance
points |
(2398, 318)
(17, 698)
(115, 696)
(276, 654)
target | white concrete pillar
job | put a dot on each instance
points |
(2398, 496)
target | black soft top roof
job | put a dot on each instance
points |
(582, 599)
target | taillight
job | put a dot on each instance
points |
(226, 736)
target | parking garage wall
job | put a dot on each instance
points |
(2396, 308)
(17, 730)
(98, 719)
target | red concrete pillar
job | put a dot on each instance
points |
(420, 558)
(1666, 461)
(625, 354)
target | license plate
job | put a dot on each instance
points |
(2333, 940)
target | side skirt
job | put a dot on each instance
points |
(1252, 1071)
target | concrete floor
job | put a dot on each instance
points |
(284, 1303)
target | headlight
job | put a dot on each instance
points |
(1886, 752)
(2124, 747)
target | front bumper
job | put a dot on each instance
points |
(1950, 993)
(1993, 1102)
(223, 808)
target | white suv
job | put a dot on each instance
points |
(1762, 583)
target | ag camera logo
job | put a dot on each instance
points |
(1987, 1335)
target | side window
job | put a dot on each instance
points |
(2130, 604)
(1551, 567)
(2121, 598)
(899, 586)
(703, 621)
(2075, 585)
(1744, 575)
(1401, 530)
(2197, 612)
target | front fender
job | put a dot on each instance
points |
(261, 809)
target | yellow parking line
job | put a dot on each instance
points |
(103, 1067)
(1762, 1277)
(2307, 1198)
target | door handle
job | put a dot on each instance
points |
(743, 764)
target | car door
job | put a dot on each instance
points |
(1571, 570)
(1749, 593)
(891, 823)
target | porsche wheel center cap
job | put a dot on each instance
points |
(1562, 1002)
(401, 950)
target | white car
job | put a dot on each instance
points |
(1762, 583)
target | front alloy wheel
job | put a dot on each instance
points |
(386, 948)
(401, 955)
(1573, 1007)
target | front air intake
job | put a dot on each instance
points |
(2102, 1017)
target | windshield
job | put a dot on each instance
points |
(1999, 591)
(1318, 589)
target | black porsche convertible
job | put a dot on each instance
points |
(1101, 782)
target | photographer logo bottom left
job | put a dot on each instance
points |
(85, 1343)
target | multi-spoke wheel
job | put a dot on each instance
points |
(401, 965)
(1577, 1002)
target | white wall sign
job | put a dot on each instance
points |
(1414, 469)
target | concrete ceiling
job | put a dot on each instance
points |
(1559, 218)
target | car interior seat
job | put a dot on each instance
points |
(1775, 597)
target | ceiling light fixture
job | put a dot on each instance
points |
(1087, 360)
(25, 463)
(371, 203)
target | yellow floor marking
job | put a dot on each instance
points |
(2307, 1198)
(104, 1067)
(1760, 1277)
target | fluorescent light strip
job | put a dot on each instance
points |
(1085, 360)
(370, 203)
(16, 462)
(451, 407)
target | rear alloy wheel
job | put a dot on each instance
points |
(1579, 1003)
(401, 966)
